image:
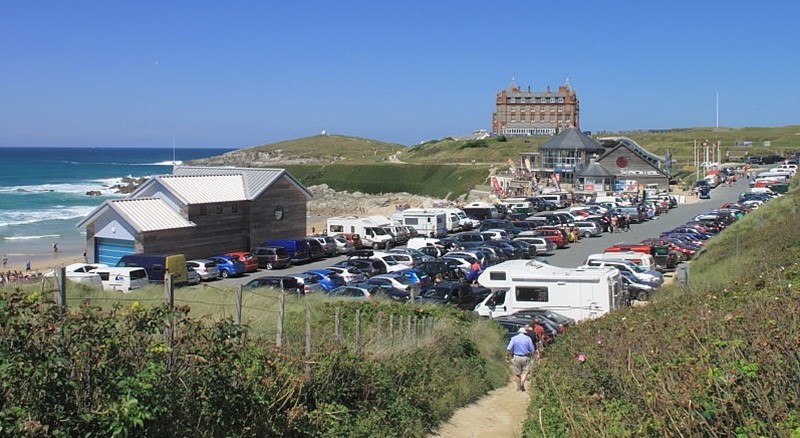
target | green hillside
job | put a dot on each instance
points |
(333, 148)
(717, 358)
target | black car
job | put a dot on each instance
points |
(540, 204)
(275, 281)
(369, 267)
(443, 269)
(458, 293)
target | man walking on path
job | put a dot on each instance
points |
(520, 349)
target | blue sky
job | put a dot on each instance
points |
(241, 73)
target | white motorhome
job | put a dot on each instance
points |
(579, 293)
(81, 273)
(618, 201)
(426, 222)
(369, 228)
(122, 279)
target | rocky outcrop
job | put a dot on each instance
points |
(128, 185)
(329, 202)
(93, 193)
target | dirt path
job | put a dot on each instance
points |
(499, 413)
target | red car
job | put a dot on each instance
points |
(554, 234)
(250, 261)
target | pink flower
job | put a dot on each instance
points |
(581, 358)
(728, 316)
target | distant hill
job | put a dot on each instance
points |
(339, 149)
(318, 149)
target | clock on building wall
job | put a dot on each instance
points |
(622, 162)
(278, 213)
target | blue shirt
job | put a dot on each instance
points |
(521, 345)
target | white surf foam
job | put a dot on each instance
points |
(26, 217)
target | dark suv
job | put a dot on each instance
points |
(272, 257)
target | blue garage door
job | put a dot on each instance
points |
(109, 251)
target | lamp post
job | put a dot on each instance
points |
(696, 164)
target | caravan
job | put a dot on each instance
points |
(369, 228)
(427, 222)
(578, 293)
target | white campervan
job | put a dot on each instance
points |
(427, 222)
(122, 279)
(579, 293)
(369, 228)
(619, 202)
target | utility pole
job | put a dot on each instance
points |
(696, 164)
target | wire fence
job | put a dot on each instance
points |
(271, 316)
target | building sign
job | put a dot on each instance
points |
(639, 172)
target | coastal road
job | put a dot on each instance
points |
(577, 253)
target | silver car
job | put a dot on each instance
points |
(206, 269)
(588, 228)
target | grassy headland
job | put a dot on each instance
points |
(718, 358)
(449, 166)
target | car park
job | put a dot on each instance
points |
(205, 268)
(228, 266)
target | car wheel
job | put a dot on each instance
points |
(225, 274)
(587, 234)
(376, 246)
(268, 266)
(642, 296)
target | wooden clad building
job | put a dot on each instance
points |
(199, 212)
(633, 167)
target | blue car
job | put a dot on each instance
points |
(417, 276)
(228, 266)
(328, 279)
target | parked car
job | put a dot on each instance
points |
(588, 228)
(543, 246)
(192, 277)
(396, 280)
(250, 261)
(273, 257)
(228, 266)
(286, 283)
(328, 278)
(348, 273)
(353, 238)
(368, 266)
(457, 293)
(308, 282)
(365, 290)
(329, 246)
(205, 268)
(315, 249)
(343, 246)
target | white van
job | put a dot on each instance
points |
(122, 279)
(562, 199)
(612, 199)
(579, 293)
(646, 261)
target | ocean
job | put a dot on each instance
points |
(43, 193)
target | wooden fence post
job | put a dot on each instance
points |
(408, 327)
(391, 328)
(237, 309)
(279, 335)
(358, 331)
(336, 333)
(169, 298)
(308, 338)
(61, 293)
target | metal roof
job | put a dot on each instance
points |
(572, 138)
(595, 169)
(255, 180)
(143, 214)
(205, 189)
(611, 143)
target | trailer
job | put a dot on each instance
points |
(579, 293)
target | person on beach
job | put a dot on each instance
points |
(28, 266)
(5, 261)
(55, 248)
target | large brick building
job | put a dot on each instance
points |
(519, 112)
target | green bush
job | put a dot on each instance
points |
(95, 372)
